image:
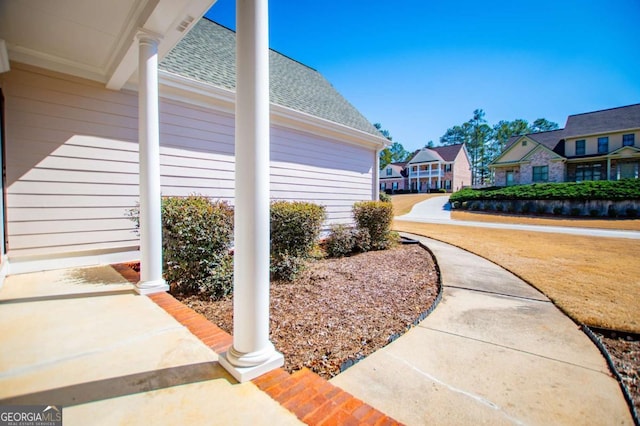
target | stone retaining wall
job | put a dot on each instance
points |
(560, 207)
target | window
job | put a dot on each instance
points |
(628, 140)
(395, 186)
(524, 143)
(447, 184)
(447, 167)
(389, 171)
(588, 172)
(603, 145)
(540, 173)
(383, 186)
(580, 147)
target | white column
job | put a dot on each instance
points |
(418, 178)
(440, 171)
(151, 280)
(252, 354)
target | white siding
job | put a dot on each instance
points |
(72, 163)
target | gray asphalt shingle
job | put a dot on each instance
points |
(207, 54)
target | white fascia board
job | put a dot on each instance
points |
(190, 91)
(171, 19)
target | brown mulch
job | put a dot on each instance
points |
(341, 310)
(625, 354)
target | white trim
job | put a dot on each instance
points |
(191, 91)
(4, 57)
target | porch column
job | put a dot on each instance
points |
(151, 280)
(418, 178)
(252, 354)
(609, 168)
(440, 171)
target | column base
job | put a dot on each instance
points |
(150, 287)
(244, 374)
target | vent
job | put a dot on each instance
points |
(184, 24)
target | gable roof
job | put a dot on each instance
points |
(425, 155)
(607, 120)
(550, 139)
(448, 152)
(207, 54)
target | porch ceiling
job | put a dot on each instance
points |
(94, 39)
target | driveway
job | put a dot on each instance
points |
(438, 210)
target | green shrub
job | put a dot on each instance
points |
(558, 210)
(612, 211)
(631, 212)
(196, 238)
(575, 211)
(295, 227)
(362, 240)
(341, 241)
(594, 212)
(626, 189)
(442, 191)
(385, 197)
(375, 217)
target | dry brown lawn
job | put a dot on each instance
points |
(403, 203)
(626, 224)
(594, 280)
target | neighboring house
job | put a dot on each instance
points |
(442, 167)
(599, 145)
(394, 178)
(71, 128)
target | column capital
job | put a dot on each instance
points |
(147, 36)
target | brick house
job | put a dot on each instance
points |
(394, 177)
(599, 145)
(442, 167)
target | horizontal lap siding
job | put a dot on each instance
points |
(72, 163)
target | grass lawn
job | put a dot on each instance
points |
(625, 224)
(594, 280)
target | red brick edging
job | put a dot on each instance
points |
(311, 398)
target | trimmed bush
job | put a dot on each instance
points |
(341, 241)
(196, 239)
(295, 228)
(385, 197)
(375, 217)
(442, 191)
(362, 240)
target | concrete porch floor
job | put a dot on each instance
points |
(83, 339)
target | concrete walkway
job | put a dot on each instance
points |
(495, 351)
(83, 339)
(437, 210)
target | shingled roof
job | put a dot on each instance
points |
(551, 139)
(207, 54)
(448, 152)
(592, 123)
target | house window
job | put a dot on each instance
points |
(540, 173)
(524, 143)
(395, 186)
(389, 171)
(383, 186)
(628, 140)
(580, 147)
(447, 184)
(603, 145)
(447, 167)
(588, 172)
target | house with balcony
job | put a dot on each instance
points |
(442, 167)
(393, 178)
(598, 145)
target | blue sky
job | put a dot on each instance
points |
(420, 67)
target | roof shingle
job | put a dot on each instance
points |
(207, 54)
(592, 123)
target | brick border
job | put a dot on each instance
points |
(311, 398)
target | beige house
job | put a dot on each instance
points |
(599, 145)
(442, 167)
(394, 178)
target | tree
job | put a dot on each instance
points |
(506, 129)
(543, 125)
(429, 144)
(393, 153)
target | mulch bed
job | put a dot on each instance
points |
(625, 354)
(341, 310)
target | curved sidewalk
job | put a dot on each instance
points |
(436, 210)
(494, 351)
